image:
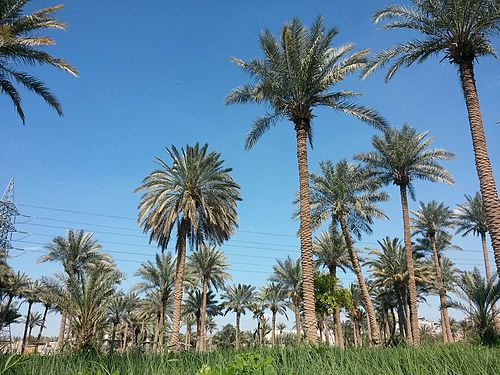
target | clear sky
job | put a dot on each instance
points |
(155, 75)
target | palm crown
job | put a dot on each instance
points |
(209, 265)
(470, 216)
(402, 156)
(331, 251)
(432, 218)
(238, 298)
(20, 44)
(195, 188)
(459, 30)
(297, 74)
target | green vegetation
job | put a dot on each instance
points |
(427, 360)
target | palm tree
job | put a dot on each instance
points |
(30, 293)
(297, 74)
(45, 297)
(274, 297)
(117, 310)
(15, 285)
(390, 273)
(34, 319)
(86, 301)
(281, 326)
(331, 252)
(198, 195)
(209, 265)
(22, 44)
(460, 31)
(77, 252)
(238, 298)
(400, 157)
(481, 295)
(471, 219)
(344, 193)
(158, 276)
(288, 274)
(195, 303)
(429, 220)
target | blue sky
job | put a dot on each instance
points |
(157, 75)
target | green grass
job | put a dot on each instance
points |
(429, 360)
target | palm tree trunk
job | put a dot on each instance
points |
(483, 165)
(125, 337)
(161, 321)
(446, 330)
(39, 337)
(178, 284)
(297, 324)
(187, 341)
(412, 285)
(238, 331)
(273, 330)
(339, 335)
(203, 316)
(306, 250)
(488, 277)
(113, 338)
(62, 328)
(23, 345)
(370, 311)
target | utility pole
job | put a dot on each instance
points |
(8, 212)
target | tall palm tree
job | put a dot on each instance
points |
(197, 194)
(274, 297)
(288, 274)
(429, 220)
(46, 298)
(238, 298)
(22, 44)
(298, 73)
(117, 309)
(209, 265)
(481, 294)
(402, 156)
(14, 287)
(460, 31)
(30, 294)
(158, 276)
(77, 252)
(345, 194)
(331, 252)
(471, 219)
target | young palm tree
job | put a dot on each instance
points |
(390, 272)
(344, 193)
(194, 304)
(281, 326)
(158, 276)
(471, 219)
(481, 294)
(430, 220)
(297, 74)
(22, 44)
(288, 274)
(35, 319)
(77, 252)
(331, 252)
(238, 298)
(461, 32)
(400, 157)
(274, 297)
(197, 194)
(117, 309)
(208, 264)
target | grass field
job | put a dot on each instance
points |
(430, 360)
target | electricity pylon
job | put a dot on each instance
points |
(8, 212)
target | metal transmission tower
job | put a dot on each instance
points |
(8, 212)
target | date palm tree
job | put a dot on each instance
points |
(238, 298)
(429, 220)
(158, 276)
(471, 219)
(345, 194)
(460, 31)
(116, 310)
(34, 319)
(22, 44)
(30, 294)
(209, 265)
(299, 73)
(77, 252)
(402, 156)
(331, 252)
(288, 274)
(196, 193)
(481, 294)
(194, 304)
(274, 297)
